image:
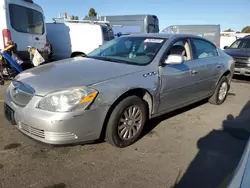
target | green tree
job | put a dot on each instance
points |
(229, 30)
(76, 18)
(246, 29)
(72, 17)
(92, 12)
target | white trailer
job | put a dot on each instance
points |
(128, 24)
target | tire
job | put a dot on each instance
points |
(118, 122)
(79, 55)
(1, 81)
(215, 99)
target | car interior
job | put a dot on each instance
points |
(181, 48)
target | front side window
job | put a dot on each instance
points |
(26, 20)
(180, 47)
(131, 50)
(241, 44)
(203, 49)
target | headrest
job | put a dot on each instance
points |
(178, 50)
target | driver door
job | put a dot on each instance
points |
(178, 81)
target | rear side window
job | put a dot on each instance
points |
(108, 33)
(203, 49)
(26, 20)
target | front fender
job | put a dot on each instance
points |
(111, 90)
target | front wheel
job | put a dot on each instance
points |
(126, 122)
(221, 92)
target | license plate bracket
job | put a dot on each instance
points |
(9, 114)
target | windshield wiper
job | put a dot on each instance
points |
(108, 59)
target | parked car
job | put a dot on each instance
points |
(117, 88)
(78, 38)
(240, 51)
(22, 21)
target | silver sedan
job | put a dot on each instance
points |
(116, 88)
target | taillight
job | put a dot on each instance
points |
(6, 37)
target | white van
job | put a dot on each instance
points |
(22, 21)
(75, 39)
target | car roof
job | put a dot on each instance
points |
(164, 35)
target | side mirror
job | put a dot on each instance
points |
(174, 59)
(225, 47)
(119, 34)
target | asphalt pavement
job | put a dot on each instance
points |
(190, 147)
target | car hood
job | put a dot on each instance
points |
(72, 73)
(237, 52)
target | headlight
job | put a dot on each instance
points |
(68, 100)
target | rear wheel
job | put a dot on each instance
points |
(126, 122)
(78, 55)
(1, 81)
(221, 92)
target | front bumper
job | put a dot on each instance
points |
(242, 69)
(56, 128)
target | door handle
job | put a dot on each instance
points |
(37, 38)
(193, 72)
(218, 66)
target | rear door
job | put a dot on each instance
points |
(209, 65)
(37, 29)
(18, 26)
(26, 26)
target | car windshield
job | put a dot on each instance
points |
(130, 50)
(241, 44)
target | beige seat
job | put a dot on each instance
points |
(178, 50)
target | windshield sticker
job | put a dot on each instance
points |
(153, 40)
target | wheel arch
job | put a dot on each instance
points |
(77, 53)
(227, 74)
(144, 94)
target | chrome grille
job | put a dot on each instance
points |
(20, 93)
(32, 130)
(241, 59)
(52, 136)
(242, 65)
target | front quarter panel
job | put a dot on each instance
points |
(148, 79)
(111, 90)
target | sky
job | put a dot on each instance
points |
(228, 13)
